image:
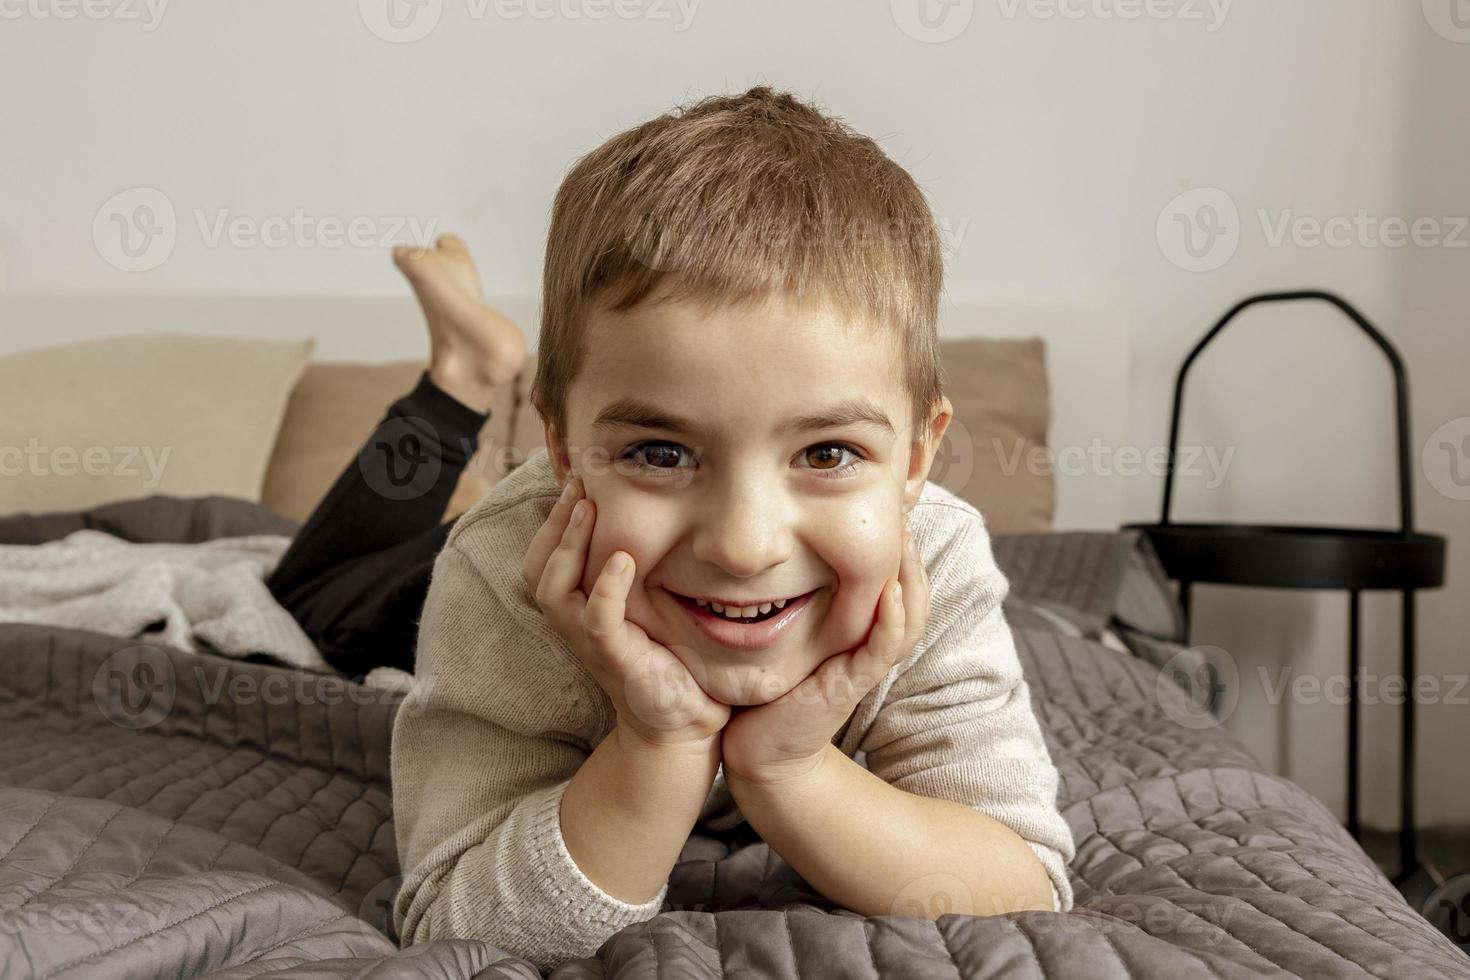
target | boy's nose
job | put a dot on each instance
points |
(743, 534)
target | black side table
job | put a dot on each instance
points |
(1316, 557)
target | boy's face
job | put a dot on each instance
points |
(721, 491)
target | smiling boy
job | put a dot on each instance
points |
(726, 574)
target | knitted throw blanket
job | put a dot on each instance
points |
(212, 593)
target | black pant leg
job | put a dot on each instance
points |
(397, 487)
(357, 573)
(365, 613)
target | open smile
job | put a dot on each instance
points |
(745, 632)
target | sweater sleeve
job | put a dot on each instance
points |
(957, 722)
(484, 746)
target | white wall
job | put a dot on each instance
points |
(1049, 145)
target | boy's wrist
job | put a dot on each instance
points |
(631, 741)
(772, 776)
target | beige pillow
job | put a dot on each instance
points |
(335, 407)
(125, 417)
(1002, 410)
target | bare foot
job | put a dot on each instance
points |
(473, 349)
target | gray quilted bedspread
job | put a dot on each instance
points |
(169, 814)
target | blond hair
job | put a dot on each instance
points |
(726, 201)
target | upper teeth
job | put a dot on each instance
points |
(742, 612)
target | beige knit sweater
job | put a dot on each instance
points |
(501, 715)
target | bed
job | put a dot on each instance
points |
(150, 826)
(174, 813)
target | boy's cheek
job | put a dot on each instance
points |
(860, 585)
(608, 537)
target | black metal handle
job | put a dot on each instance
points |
(1401, 385)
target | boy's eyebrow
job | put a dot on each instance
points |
(632, 412)
(639, 414)
(849, 411)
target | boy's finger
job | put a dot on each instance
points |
(915, 582)
(885, 644)
(562, 575)
(549, 535)
(604, 615)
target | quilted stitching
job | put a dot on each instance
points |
(1190, 860)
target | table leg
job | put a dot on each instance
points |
(1408, 843)
(1355, 669)
(1184, 608)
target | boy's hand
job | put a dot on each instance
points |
(656, 698)
(788, 736)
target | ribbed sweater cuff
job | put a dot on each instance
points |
(1056, 870)
(586, 906)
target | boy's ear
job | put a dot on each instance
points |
(922, 456)
(561, 462)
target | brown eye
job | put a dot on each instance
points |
(662, 456)
(821, 456)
